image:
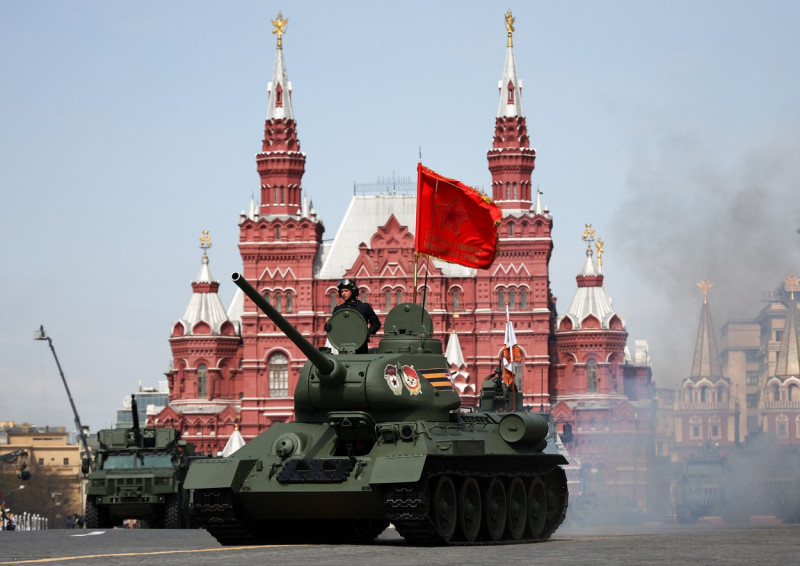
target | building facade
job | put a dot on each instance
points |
(234, 368)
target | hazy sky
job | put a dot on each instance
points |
(127, 128)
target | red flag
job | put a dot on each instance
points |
(455, 222)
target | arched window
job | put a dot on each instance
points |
(282, 201)
(202, 381)
(792, 393)
(591, 376)
(276, 302)
(703, 394)
(333, 299)
(776, 393)
(387, 296)
(508, 190)
(456, 299)
(523, 298)
(514, 190)
(398, 296)
(288, 302)
(510, 92)
(512, 298)
(275, 195)
(278, 375)
(720, 394)
(277, 233)
(510, 229)
(501, 299)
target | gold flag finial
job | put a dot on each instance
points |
(599, 246)
(792, 284)
(205, 243)
(280, 25)
(705, 286)
(509, 26)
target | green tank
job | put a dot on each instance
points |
(138, 474)
(379, 438)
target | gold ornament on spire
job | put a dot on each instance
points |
(599, 247)
(705, 286)
(792, 284)
(205, 243)
(279, 30)
(509, 26)
(588, 234)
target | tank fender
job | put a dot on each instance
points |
(400, 468)
(218, 473)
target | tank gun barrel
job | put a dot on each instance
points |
(329, 370)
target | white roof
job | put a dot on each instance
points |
(204, 306)
(364, 215)
(591, 300)
(453, 352)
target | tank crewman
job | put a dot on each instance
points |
(348, 292)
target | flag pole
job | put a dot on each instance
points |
(416, 263)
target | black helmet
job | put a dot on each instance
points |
(348, 284)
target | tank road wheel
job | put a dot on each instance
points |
(537, 508)
(494, 512)
(517, 508)
(445, 508)
(469, 509)
(172, 512)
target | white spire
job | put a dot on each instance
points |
(510, 85)
(251, 213)
(279, 89)
(453, 352)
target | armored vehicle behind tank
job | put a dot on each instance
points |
(138, 474)
(378, 439)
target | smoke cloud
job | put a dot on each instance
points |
(689, 212)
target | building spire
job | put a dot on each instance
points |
(706, 355)
(280, 163)
(511, 159)
(789, 353)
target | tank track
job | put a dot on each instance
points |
(407, 507)
(214, 511)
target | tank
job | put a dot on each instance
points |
(138, 474)
(379, 438)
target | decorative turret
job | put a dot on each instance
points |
(281, 164)
(591, 302)
(789, 353)
(205, 313)
(706, 355)
(511, 159)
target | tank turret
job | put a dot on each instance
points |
(357, 382)
(380, 437)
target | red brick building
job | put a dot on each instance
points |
(235, 367)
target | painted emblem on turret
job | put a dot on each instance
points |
(390, 375)
(411, 380)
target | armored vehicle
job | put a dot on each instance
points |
(138, 474)
(379, 439)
